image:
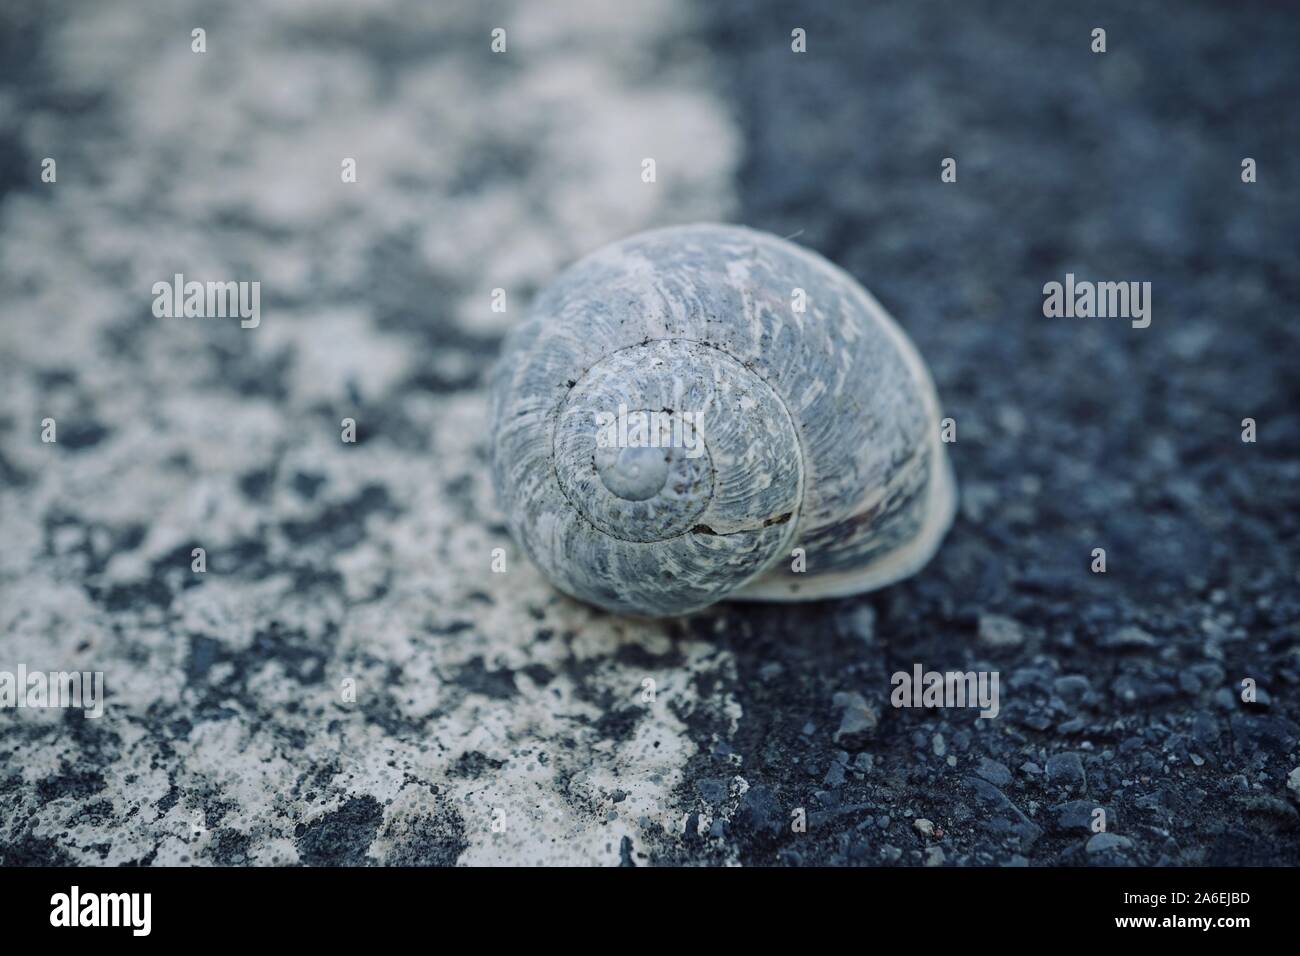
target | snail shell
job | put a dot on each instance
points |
(815, 429)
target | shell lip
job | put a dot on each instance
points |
(940, 509)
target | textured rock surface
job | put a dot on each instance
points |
(226, 738)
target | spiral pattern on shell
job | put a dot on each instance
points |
(668, 428)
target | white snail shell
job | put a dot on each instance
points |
(814, 429)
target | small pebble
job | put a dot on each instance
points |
(998, 631)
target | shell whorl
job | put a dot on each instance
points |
(814, 428)
(676, 523)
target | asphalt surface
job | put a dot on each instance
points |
(495, 721)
